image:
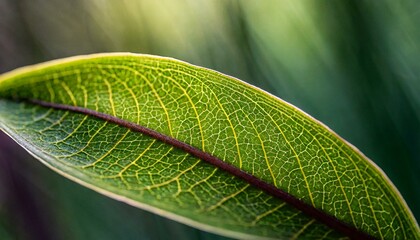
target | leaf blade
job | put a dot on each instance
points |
(240, 112)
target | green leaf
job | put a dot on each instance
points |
(218, 115)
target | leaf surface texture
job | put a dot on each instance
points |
(240, 124)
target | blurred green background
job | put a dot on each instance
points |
(354, 65)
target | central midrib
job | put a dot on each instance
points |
(310, 210)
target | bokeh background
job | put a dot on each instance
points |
(354, 65)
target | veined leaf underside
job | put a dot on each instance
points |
(246, 128)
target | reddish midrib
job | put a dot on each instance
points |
(319, 215)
